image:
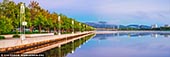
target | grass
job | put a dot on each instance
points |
(22, 33)
(16, 36)
(2, 37)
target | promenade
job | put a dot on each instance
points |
(17, 41)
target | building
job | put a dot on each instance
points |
(166, 25)
(154, 26)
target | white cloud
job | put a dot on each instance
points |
(113, 11)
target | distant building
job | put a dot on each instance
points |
(154, 26)
(166, 25)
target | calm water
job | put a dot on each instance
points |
(155, 44)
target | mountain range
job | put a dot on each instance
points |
(105, 25)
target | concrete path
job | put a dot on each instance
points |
(17, 41)
(55, 45)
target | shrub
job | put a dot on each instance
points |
(16, 36)
(2, 37)
(55, 33)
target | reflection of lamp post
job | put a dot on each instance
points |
(72, 27)
(80, 43)
(59, 33)
(22, 20)
(59, 51)
(72, 47)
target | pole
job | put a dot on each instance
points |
(80, 27)
(59, 32)
(73, 27)
(22, 21)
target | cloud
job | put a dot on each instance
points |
(112, 11)
(135, 11)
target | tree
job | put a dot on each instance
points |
(5, 25)
(34, 9)
(39, 22)
(54, 17)
(36, 17)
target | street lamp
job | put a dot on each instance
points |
(83, 28)
(22, 21)
(80, 26)
(24, 24)
(73, 27)
(59, 32)
(117, 27)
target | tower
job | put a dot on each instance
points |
(154, 26)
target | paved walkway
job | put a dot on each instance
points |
(17, 41)
(40, 50)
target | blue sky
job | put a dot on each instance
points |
(112, 11)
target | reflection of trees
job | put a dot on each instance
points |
(165, 34)
(103, 36)
(66, 48)
(131, 34)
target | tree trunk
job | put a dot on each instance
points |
(22, 29)
(48, 30)
(68, 30)
(39, 28)
(54, 29)
(62, 30)
(31, 28)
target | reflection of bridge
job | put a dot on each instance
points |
(106, 29)
(103, 35)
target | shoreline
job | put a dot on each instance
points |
(16, 44)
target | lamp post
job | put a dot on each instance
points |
(80, 26)
(22, 21)
(59, 32)
(117, 27)
(83, 28)
(72, 27)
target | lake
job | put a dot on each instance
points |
(120, 44)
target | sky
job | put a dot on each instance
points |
(123, 12)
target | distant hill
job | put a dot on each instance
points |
(105, 25)
(100, 25)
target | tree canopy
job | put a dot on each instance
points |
(37, 18)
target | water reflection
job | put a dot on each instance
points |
(68, 48)
(155, 44)
(154, 35)
(142, 44)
